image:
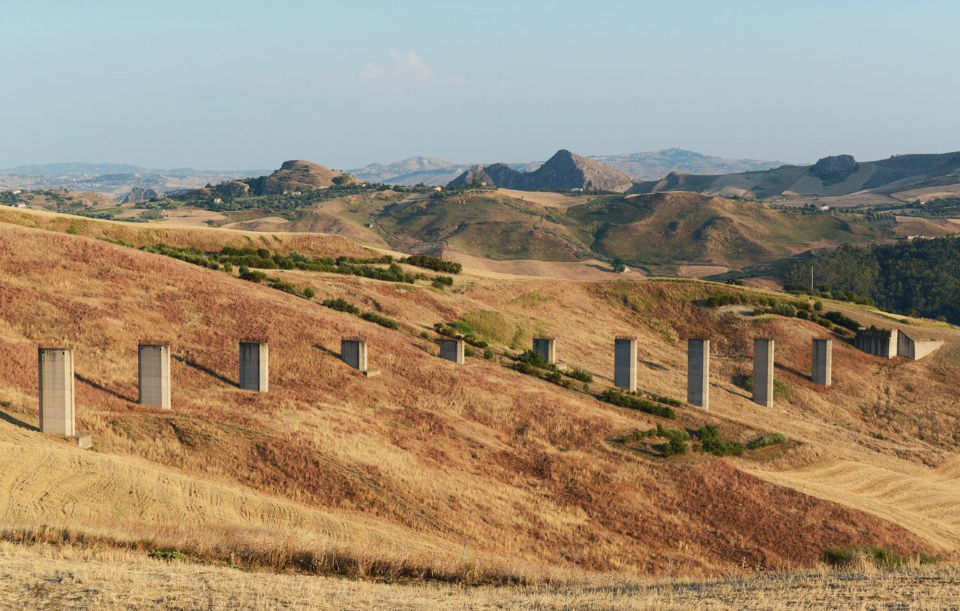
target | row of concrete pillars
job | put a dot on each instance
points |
(698, 365)
(56, 379)
(698, 369)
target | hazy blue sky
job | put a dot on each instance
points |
(248, 84)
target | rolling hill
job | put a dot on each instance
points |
(668, 233)
(475, 473)
(840, 180)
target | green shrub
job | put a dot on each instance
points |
(488, 354)
(842, 320)
(383, 321)
(769, 440)
(309, 293)
(579, 374)
(341, 305)
(534, 359)
(617, 397)
(710, 441)
(253, 276)
(524, 368)
(664, 400)
(469, 352)
(441, 281)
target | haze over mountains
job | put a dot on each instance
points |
(839, 179)
(891, 180)
(834, 180)
(647, 165)
(565, 170)
(114, 179)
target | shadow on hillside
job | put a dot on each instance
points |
(801, 375)
(653, 365)
(103, 388)
(603, 268)
(744, 394)
(206, 370)
(327, 350)
(17, 422)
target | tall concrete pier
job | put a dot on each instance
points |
(546, 347)
(452, 350)
(254, 366)
(625, 363)
(353, 352)
(58, 413)
(822, 362)
(698, 372)
(153, 369)
(763, 371)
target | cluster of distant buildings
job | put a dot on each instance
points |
(16, 204)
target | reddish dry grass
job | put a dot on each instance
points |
(480, 456)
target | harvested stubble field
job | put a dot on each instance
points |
(67, 578)
(434, 471)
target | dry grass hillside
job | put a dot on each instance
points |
(434, 470)
(661, 230)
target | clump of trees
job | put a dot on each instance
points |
(916, 277)
(434, 263)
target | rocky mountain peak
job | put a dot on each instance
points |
(836, 167)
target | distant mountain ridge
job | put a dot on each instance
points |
(840, 177)
(565, 170)
(657, 164)
(647, 165)
(114, 179)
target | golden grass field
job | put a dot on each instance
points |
(434, 472)
(71, 578)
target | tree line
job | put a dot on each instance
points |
(916, 277)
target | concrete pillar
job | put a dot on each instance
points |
(452, 350)
(353, 351)
(763, 371)
(153, 368)
(625, 363)
(58, 415)
(822, 362)
(546, 347)
(254, 366)
(698, 372)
